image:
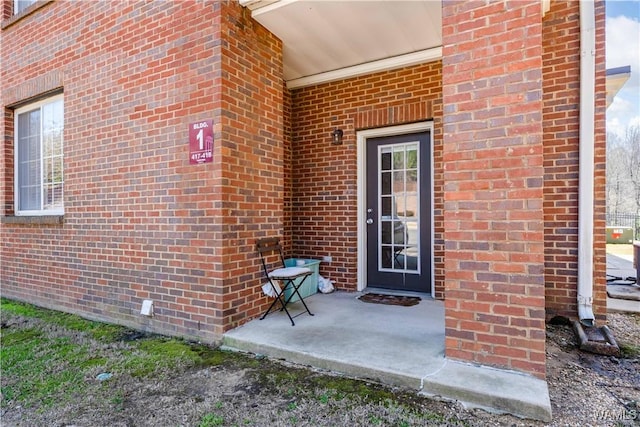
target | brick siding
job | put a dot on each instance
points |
(253, 169)
(492, 96)
(325, 175)
(561, 122)
(600, 166)
(141, 222)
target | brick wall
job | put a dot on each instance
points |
(600, 172)
(6, 165)
(6, 143)
(288, 166)
(494, 253)
(253, 167)
(561, 121)
(325, 175)
(141, 222)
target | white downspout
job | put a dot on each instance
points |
(586, 162)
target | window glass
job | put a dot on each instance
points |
(39, 158)
(20, 5)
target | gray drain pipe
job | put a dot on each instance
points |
(586, 162)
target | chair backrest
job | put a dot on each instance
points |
(268, 246)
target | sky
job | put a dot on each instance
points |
(623, 48)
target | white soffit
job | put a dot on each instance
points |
(616, 78)
(330, 40)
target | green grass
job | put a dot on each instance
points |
(57, 358)
(629, 351)
(296, 381)
(100, 331)
(211, 420)
(49, 358)
(158, 353)
(36, 368)
(326, 390)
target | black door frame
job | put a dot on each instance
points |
(362, 137)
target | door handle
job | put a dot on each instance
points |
(369, 221)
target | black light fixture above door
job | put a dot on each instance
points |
(336, 137)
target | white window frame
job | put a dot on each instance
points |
(42, 211)
(16, 5)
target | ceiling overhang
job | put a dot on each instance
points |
(616, 78)
(331, 40)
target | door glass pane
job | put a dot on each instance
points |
(398, 183)
(398, 258)
(387, 257)
(412, 181)
(399, 218)
(399, 232)
(411, 258)
(386, 207)
(398, 159)
(385, 160)
(387, 235)
(401, 205)
(411, 207)
(385, 179)
(412, 158)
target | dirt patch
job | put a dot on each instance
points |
(228, 389)
(594, 389)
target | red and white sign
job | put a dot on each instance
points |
(201, 142)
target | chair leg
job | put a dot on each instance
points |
(295, 291)
(275, 300)
(280, 296)
(283, 303)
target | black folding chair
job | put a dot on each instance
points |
(286, 275)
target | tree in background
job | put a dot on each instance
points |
(623, 171)
(617, 180)
(632, 142)
(623, 179)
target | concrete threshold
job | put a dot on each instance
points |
(401, 346)
(622, 266)
(615, 305)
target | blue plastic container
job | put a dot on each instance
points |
(310, 285)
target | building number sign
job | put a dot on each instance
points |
(201, 142)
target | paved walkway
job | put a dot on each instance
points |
(389, 344)
(399, 346)
(622, 296)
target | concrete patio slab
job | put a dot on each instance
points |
(394, 345)
(620, 266)
(615, 305)
(622, 298)
(628, 292)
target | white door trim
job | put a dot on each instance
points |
(362, 137)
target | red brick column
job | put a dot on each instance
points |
(600, 172)
(252, 203)
(494, 246)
